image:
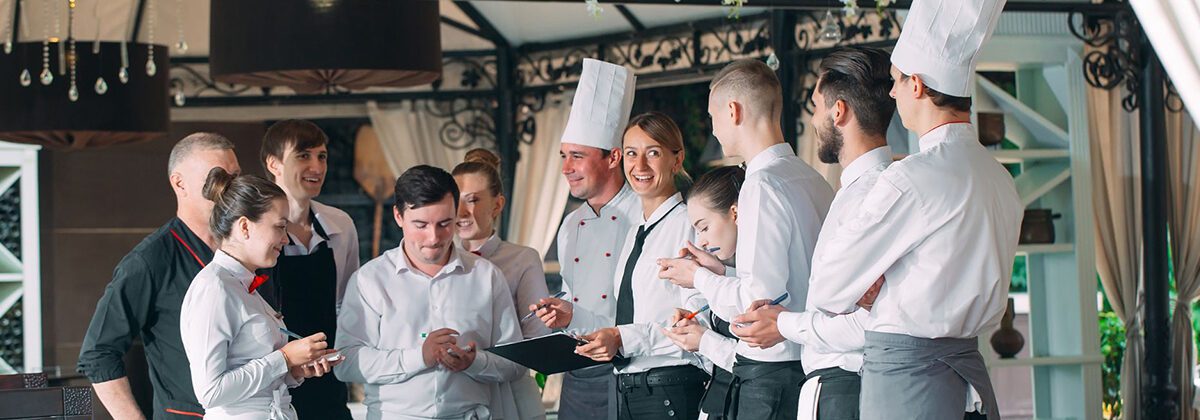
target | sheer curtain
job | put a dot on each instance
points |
(539, 189)
(410, 136)
(1183, 200)
(1116, 189)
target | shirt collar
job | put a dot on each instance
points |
(232, 266)
(490, 246)
(318, 211)
(664, 209)
(402, 265)
(767, 155)
(946, 132)
(877, 156)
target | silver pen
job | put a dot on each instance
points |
(558, 295)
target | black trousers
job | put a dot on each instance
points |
(766, 390)
(666, 393)
(838, 399)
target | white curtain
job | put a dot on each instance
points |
(1183, 198)
(410, 136)
(539, 190)
(1171, 26)
(1116, 200)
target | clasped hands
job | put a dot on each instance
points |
(441, 348)
(306, 357)
(759, 327)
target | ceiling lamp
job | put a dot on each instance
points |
(314, 45)
(94, 96)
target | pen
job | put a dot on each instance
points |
(692, 315)
(777, 301)
(329, 358)
(558, 295)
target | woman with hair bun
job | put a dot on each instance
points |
(241, 362)
(481, 199)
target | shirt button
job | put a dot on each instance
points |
(603, 296)
(607, 254)
(576, 259)
(667, 403)
(614, 218)
(671, 413)
(574, 299)
(581, 223)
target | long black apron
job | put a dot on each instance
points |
(716, 398)
(304, 289)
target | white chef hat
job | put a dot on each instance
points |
(601, 107)
(941, 41)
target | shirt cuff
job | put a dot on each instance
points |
(102, 372)
(631, 342)
(710, 341)
(794, 325)
(277, 364)
(412, 361)
(701, 279)
(477, 365)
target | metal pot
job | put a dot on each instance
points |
(991, 127)
(1038, 226)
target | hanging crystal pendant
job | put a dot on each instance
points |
(47, 77)
(179, 98)
(773, 62)
(26, 80)
(73, 93)
(830, 30)
(182, 46)
(151, 69)
(101, 86)
(123, 75)
(7, 47)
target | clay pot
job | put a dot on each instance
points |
(1038, 226)
(991, 127)
(1007, 341)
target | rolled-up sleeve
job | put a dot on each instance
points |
(120, 315)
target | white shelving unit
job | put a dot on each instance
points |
(1047, 120)
(20, 278)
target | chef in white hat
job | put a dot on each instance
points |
(941, 226)
(590, 238)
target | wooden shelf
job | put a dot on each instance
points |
(1037, 180)
(1046, 361)
(1022, 155)
(1041, 130)
(1045, 248)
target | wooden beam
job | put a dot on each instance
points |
(485, 26)
(629, 16)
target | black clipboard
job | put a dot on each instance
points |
(548, 354)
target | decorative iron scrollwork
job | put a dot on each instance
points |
(1116, 57)
(468, 122)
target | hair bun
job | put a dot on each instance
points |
(217, 183)
(484, 156)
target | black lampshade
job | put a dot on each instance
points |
(44, 115)
(313, 44)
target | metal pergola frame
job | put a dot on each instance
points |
(1130, 61)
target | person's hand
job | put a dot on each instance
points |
(602, 345)
(556, 314)
(435, 343)
(705, 258)
(686, 336)
(868, 299)
(316, 368)
(679, 317)
(758, 327)
(457, 359)
(304, 350)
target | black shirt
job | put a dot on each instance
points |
(144, 299)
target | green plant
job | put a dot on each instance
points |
(1112, 346)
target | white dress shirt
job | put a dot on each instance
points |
(343, 240)
(389, 305)
(718, 349)
(781, 207)
(522, 268)
(232, 341)
(654, 299)
(943, 223)
(589, 245)
(836, 341)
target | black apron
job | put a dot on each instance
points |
(304, 289)
(716, 397)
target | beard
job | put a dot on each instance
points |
(829, 141)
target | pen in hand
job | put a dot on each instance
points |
(777, 301)
(333, 357)
(692, 315)
(558, 295)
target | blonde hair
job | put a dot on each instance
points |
(751, 83)
(483, 162)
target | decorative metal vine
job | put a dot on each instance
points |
(1117, 59)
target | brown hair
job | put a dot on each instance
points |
(753, 84)
(297, 134)
(860, 77)
(237, 196)
(663, 130)
(482, 162)
(719, 188)
(942, 100)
